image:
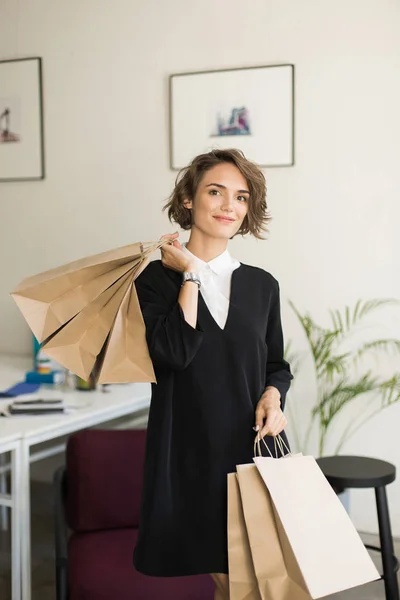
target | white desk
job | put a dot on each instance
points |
(19, 434)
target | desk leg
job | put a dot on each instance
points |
(16, 522)
(25, 521)
(3, 490)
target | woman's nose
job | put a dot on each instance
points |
(227, 203)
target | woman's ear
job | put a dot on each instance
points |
(188, 204)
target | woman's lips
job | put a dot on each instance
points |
(224, 220)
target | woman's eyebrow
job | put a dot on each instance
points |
(223, 187)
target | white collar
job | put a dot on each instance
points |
(220, 264)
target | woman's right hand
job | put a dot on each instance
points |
(172, 255)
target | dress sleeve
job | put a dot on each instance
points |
(278, 370)
(172, 342)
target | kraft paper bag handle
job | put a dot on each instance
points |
(279, 443)
(153, 246)
(147, 248)
(283, 446)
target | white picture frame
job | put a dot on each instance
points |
(250, 108)
(21, 120)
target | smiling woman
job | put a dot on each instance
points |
(218, 360)
(190, 180)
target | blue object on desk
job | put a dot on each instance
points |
(36, 350)
(19, 389)
(53, 377)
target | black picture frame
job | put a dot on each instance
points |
(29, 163)
(176, 165)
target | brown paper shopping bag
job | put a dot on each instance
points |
(80, 341)
(276, 569)
(242, 579)
(316, 534)
(87, 316)
(126, 356)
(50, 299)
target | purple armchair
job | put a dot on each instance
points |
(96, 523)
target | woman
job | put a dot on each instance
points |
(218, 358)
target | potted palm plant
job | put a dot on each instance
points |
(342, 375)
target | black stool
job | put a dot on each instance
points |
(344, 472)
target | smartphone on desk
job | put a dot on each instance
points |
(22, 402)
(36, 406)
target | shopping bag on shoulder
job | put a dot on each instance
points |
(87, 316)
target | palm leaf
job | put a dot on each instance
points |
(356, 310)
(335, 387)
(323, 347)
(390, 345)
(390, 391)
(309, 327)
(337, 320)
(334, 365)
(333, 400)
(349, 319)
(371, 305)
(320, 340)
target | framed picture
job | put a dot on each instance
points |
(21, 120)
(251, 109)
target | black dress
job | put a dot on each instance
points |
(209, 381)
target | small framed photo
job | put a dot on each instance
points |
(21, 120)
(251, 109)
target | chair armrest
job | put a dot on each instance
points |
(61, 534)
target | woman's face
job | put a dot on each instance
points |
(221, 202)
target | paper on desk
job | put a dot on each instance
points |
(87, 316)
(20, 388)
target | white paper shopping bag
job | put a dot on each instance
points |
(312, 520)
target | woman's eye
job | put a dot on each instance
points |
(214, 192)
(242, 198)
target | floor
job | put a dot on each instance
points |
(43, 554)
(42, 548)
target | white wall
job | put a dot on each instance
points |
(336, 213)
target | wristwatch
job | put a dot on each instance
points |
(189, 276)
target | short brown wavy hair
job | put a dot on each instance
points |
(188, 179)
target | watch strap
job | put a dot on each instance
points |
(190, 276)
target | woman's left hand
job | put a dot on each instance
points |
(270, 419)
